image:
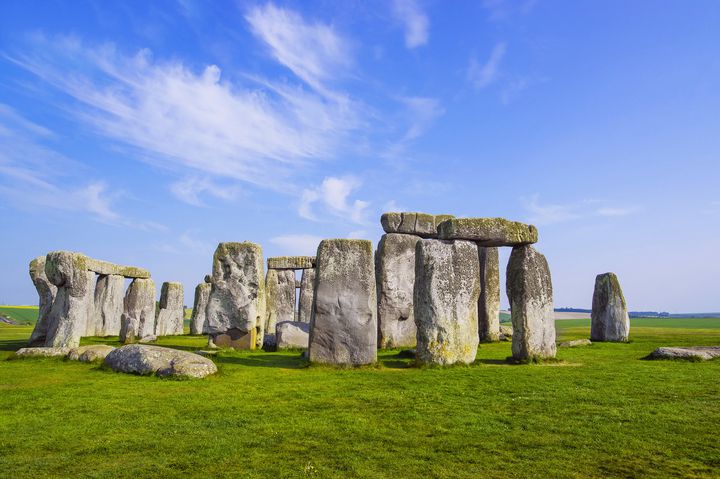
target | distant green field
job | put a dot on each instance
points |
(21, 314)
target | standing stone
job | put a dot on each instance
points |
(280, 295)
(307, 293)
(109, 293)
(138, 318)
(198, 320)
(489, 303)
(69, 313)
(609, 317)
(46, 295)
(395, 269)
(529, 289)
(343, 326)
(236, 305)
(447, 288)
(172, 312)
(92, 318)
(292, 335)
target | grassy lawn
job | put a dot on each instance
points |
(600, 412)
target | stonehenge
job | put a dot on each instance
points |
(280, 291)
(46, 293)
(488, 231)
(171, 315)
(198, 320)
(292, 335)
(109, 294)
(307, 293)
(138, 318)
(489, 302)
(609, 320)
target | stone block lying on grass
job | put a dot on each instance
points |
(143, 359)
(42, 352)
(292, 334)
(696, 353)
(90, 353)
(574, 343)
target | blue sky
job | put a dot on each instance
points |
(147, 133)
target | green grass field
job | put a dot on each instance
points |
(600, 412)
(21, 314)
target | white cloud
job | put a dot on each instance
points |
(545, 214)
(392, 206)
(503, 9)
(297, 244)
(190, 189)
(414, 20)
(610, 211)
(483, 75)
(332, 196)
(187, 244)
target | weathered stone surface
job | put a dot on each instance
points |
(693, 353)
(575, 343)
(109, 296)
(291, 262)
(395, 270)
(506, 333)
(292, 335)
(68, 316)
(172, 312)
(138, 318)
(609, 320)
(92, 318)
(488, 231)
(90, 353)
(280, 296)
(46, 295)
(419, 224)
(234, 338)
(489, 303)
(298, 283)
(106, 268)
(208, 278)
(42, 352)
(529, 289)
(343, 326)
(307, 293)
(447, 288)
(198, 320)
(237, 296)
(143, 359)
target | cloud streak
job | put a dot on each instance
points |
(332, 198)
(482, 75)
(414, 21)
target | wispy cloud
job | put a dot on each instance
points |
(187, 243)
(609, 211)
(503, 9)
(332, 197)
(190, 190)
(414, 20)
(548, 213)
(482, 75)
(297, 244)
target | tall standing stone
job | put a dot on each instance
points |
(236, 305)
(307, 293)
(343, 326)
(69, 313)
(529, 289)
(198, 321)
(92, 318)
(138, 318)
(489, 303)
(280, 295)
(172, 312)
(109, 294)
(46, 295)
(395, 269)
(447, 288)
(609, 318)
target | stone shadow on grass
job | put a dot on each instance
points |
(267, 360)
(12, 344)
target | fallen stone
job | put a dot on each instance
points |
(46, 295)
(171, 315)
(343, 327)
(280, 297)
(447, 288)
(198, 320)
(107, 268)
(574, 343)
(42, 352)
(488, 231)
(150, 338)
(292, 335)
(138, 318)
(109, 298)
(609, 320)
(489, 302)
(506, 333)
(395, 270)
(237, 297)
(693, 353)
(291, 262)
(90, 353)
(234, 338)
(144, 360)
(529, 290)
(307, 293)
(418, 224)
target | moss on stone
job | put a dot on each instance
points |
(489, 231)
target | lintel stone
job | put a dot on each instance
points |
(291, 262)
(488, 231)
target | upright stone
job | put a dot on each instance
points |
(109, 294)
(447, 288)
(307, 293)
(529, 289)
(236, 305)
(609, 318)
(92, 318)
(280, 294)
(138, 318)
(198, 321)
(172, 312)
(69, 313)
(46, 295)
(489, 304)
(395, 269)
(343, 326)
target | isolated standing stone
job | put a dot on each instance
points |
(236, 305)
(198, 320)
(138, 318)
(172, 312)
(292, 335)
(69, 313)
(280, 295)
(109, 294)
(529, 289)
(307, 293)
(447, 288)
(488, 231)
(489, 303)
(395, 264)
(46, 295)
(343, 326)
(609, 317)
